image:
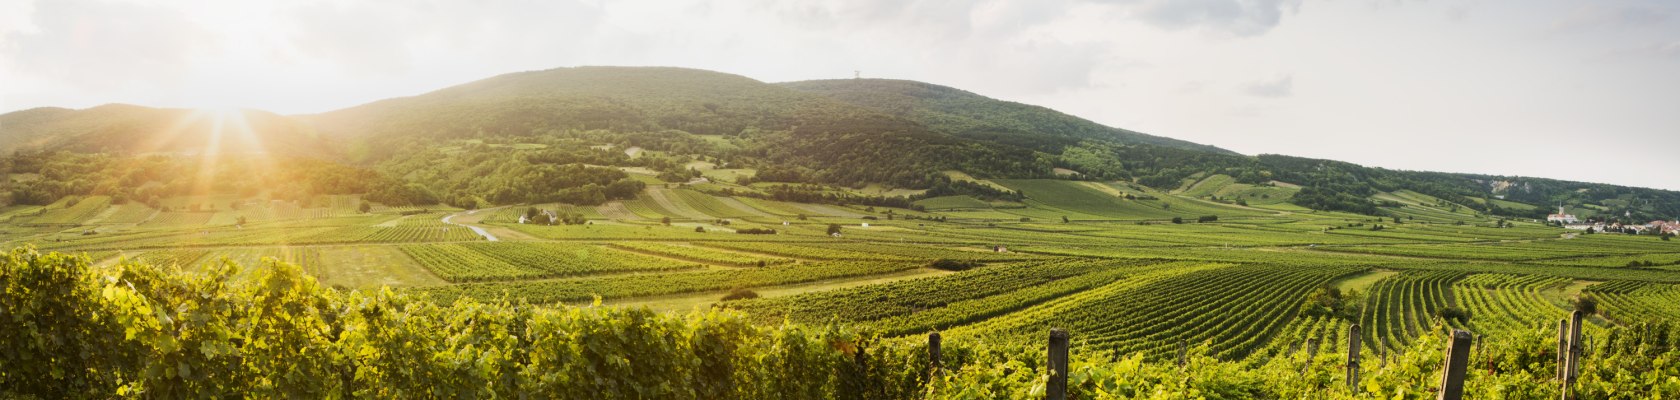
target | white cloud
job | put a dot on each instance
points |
(1538, 74)
(1283, 86)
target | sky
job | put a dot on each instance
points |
(1560, 89)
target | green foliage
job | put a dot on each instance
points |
(140, 331)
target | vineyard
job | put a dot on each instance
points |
(1250, 297)
(148, 332)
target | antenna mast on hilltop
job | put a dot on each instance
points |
(857, 74)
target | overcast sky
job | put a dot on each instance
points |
(1581, 90)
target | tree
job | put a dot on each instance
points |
(365, 207)
(1586, 304)
(241, 221)
(1064, 219)
(1178, 220)
(833, 229)
(665, 220)
(699, 229)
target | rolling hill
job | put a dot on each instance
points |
(483, 141)
(965, 114)
(122, 128)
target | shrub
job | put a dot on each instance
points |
(954, 265)
(739, 294)
(1453, 314)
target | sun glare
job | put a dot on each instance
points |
(229, 138)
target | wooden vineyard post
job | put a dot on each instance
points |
(1312, 350)
(1056, 389)
(1183, 347)
(1572, 359)
(1353, 358)
(934, 363)
(1452, 377)
(1562, 349)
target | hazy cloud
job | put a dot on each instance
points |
(1283, 86)
(99, 45)
(1239, 17)
(1520, 74)
(1594, 15)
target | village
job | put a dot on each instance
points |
(1596, 225)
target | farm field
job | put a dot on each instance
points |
(1237, 283)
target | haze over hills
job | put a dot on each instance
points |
(123, 128)
(845, 133)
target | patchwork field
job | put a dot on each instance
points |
(1104, 259)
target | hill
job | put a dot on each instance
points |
(812, 137)
(965, 114)
(504, 140)
(130, 129)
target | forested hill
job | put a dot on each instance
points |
(122, 128)
(563, 135)
(962, 113)
(814, 137)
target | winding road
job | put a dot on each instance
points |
(480, 231)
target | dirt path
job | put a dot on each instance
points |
(478, 230)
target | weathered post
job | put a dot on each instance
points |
(934, 362)
(1452, 377)
(1572, 369)
(1056, 389)
(1183, 347)
(1312, 350)
(1562, 349)
(1353, 358)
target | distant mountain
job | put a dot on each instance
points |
(965, 114)
(130, 129)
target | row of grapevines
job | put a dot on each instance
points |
(571, 259)
(699, 254)
(456, 263)
(626, 286)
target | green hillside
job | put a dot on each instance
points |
(589, 135)
(970, 115)
(803, 136)
(122, 128)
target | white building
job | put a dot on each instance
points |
(1562, 217)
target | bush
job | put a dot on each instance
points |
(1586, 304)
(1453, 314)
(1207, 218)
(954, 265)
(756, 231)
(739, 294)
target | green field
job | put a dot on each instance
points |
(1117, 271)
